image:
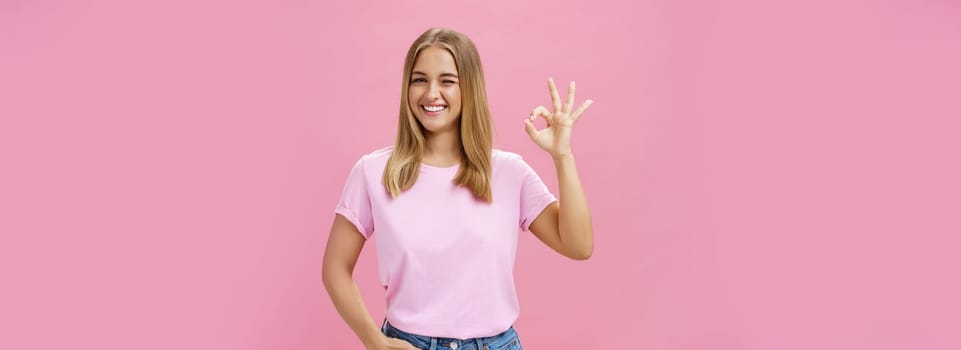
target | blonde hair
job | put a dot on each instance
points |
(476, 127)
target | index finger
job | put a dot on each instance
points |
(555, 99)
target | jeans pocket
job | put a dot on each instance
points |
(410, 338)
(513, 344)
(507, 341)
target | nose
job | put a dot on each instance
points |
(433, 92)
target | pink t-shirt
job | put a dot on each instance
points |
(445, 259)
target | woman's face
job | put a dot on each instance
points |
(434, 90)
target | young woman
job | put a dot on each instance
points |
(446, 209)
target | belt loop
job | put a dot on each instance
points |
(479, 345)
(433, 343)
(383, 327)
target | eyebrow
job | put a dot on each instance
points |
(442, 74)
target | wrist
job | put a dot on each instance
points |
(376, 341)
(560, 157)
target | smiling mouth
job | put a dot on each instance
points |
(433, 109)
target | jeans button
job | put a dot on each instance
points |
(453, 346)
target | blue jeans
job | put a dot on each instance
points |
(506, 340)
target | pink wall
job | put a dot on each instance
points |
(763, 175)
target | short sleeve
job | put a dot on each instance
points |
(535, 196)
(354, 203)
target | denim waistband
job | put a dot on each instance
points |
(502, 340)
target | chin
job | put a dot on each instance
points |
(433, 125)
(432, 128)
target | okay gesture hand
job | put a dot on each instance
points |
(556, 137)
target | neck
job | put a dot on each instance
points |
(443, 147)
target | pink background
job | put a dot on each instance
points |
(763, 174)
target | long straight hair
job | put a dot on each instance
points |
(476, 127)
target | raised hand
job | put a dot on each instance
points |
(556, 137)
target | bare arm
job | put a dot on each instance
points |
(340, 257)
(565, 226)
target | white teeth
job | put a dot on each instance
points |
(434, 108)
